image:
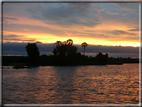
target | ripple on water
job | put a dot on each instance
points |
(111, 84)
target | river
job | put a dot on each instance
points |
(111, 84)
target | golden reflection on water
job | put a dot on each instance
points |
(112, 84)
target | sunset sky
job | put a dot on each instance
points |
(106, 24)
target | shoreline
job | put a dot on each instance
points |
(22, 66)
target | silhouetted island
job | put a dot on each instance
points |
(64, 54)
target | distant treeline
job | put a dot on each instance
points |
(50, 60)
(64, 53)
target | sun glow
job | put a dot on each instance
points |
(91, 41)
(48, 38)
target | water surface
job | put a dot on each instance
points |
(111, 84)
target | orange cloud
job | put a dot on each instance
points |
(112, 13)
(90, 27)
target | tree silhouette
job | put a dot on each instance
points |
(101, 58)
(58, 43)
(84, 45)
(55, 52)
(64, 48)
(33, 53)
(69, 42)
(56, 48)
(65, 52)
(72, 50)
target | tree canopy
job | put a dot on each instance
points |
(33, 52)
(64, 48)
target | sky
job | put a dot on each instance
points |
(98, 24)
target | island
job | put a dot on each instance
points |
(64, 54)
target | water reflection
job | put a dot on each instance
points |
(72, 85)
(65, 87)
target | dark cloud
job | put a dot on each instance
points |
(110, 49)
(112, 13)
(66, 14)
(32, 40)
(62, 11)
(131, 7)
(38, 29)
(11, 35)
(102, 35)
(131, 38)
(17, 38)
(14, 48)
(37, 42)
(120, 32)
(19, 49)
(9, 18)
(137, 29)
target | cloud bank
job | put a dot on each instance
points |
(91, 50)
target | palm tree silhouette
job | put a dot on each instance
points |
(84, 45)
(58, 43)
(69, 42)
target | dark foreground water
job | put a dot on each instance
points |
(112, 84)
